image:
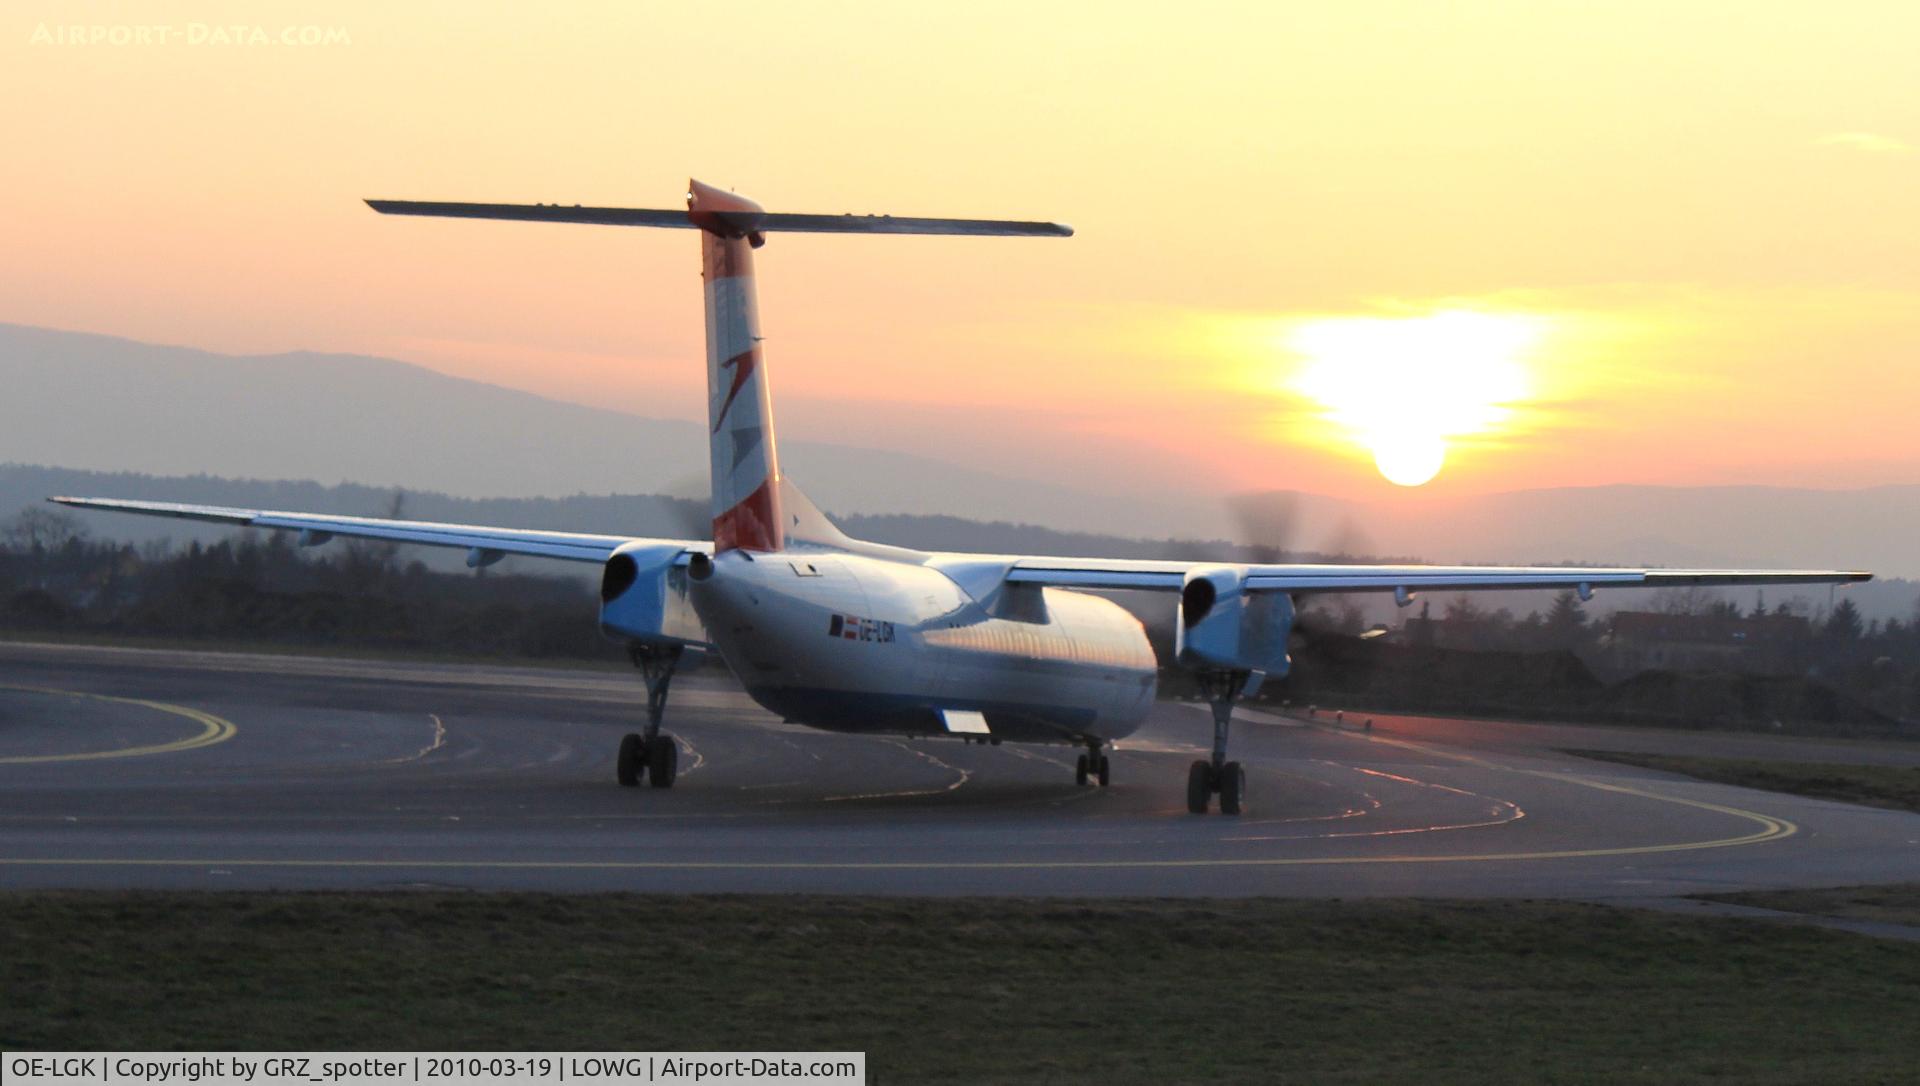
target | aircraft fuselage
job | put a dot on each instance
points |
(846, 642)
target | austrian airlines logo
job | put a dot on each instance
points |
(742, 366)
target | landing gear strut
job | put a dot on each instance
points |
(1216, 775)
(654, 752)
(1092, 764)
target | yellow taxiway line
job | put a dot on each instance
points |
(213, 730)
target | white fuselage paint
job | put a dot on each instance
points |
(848, 642)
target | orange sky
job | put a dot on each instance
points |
(1709, 208)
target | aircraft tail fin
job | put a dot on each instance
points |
(745, 464)
(750, 504)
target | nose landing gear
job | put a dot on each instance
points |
(1216, 775)
(654, 752)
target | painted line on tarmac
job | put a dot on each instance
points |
(962, 777)
(439, 740)
(1772, 828)
(1772, 832)
(213, 730)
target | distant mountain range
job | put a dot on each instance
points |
(23, 486)
(100, 403)
(79, 400)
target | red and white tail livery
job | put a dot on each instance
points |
(746, 466)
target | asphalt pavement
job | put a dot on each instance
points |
(128, 768)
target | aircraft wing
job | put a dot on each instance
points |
(483, 544)
(1306, 579)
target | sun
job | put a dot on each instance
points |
(1409, 459)
(1402, 388)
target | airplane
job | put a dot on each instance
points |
(850, 636)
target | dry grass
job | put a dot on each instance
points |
(975, 990)
(1896, 787)
(1895, 904)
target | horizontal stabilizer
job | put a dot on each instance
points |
(599, 216)
(739, 222)
(895, 224)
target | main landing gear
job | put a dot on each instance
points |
(1217, 776)
(653, 753)
(1092, 764)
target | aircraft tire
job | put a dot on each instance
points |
(1105, 774)
(1199, 787)
(1233, 788)
(663, 761)
(631, 761)
(1080, 771)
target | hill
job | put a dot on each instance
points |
(106, 404)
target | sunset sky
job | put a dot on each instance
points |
(1563, 244)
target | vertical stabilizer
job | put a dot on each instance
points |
(748, 500)
(745, 465)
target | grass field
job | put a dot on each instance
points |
(976, 990)
(1897, 787)
(1895, 904)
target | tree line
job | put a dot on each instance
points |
(1830, 662)
(259, 587)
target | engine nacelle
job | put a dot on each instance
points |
(1225, 627)
(643, 597)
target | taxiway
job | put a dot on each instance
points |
(127, 768)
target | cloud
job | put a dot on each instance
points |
(1871, 142)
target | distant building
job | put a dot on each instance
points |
(1639, 640)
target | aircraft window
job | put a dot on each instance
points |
(805, 569)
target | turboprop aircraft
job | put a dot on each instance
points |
(850, 636)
